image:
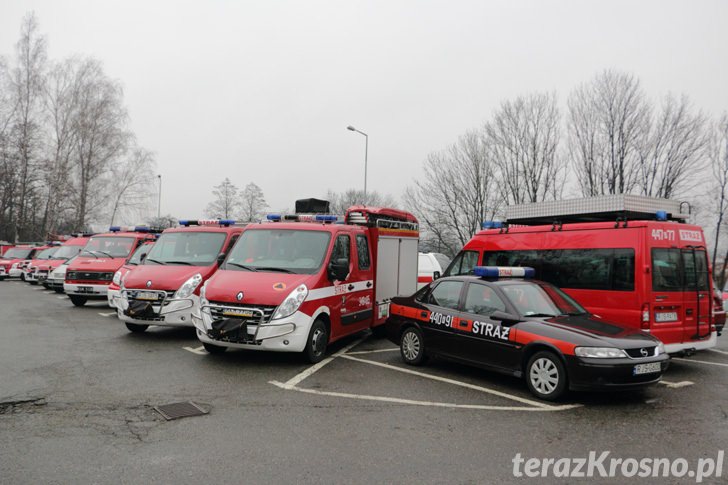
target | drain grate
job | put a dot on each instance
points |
(178, 410)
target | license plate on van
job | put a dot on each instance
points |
(665, 317)
(237, 313)
(640, 369)
(146, 296)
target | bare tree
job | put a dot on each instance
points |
(339, 202)
(718, 155)
(607, 119)
(225, 203)
(523, 139)
(674, 150)
(252, 203)
(131, 183)
(457, 192)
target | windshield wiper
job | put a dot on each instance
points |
(575, 314)
(539, 315)
(273, 268)
(104, 252)
(155, 261)
(179, 262)
(249, 268)
(91, 253)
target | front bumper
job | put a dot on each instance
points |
(288, 334)
(171, 312)
(112, 296)
(95, 291)
(53, 283)
(588, 374)
(36, 276)
(15, 272)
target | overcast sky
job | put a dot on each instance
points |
(263, 90)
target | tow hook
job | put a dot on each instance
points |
(687, 352)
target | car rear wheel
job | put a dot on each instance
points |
(78, 300)
(213, 349)
(412, 347)
(136, 328)
(33, 282)
(318, 340)
(546, 376)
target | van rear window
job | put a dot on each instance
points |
(582, 269)
(679, 270)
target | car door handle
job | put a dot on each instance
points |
(689, 311)
(351, 287)
(423, 314)
(369, 284)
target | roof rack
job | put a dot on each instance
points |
(608, 208)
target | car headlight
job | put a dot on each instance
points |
(189, 286)
(600, 352)
(117, 278)
(660, 348)
(291, 303)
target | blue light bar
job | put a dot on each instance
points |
(661, 215)
(184, 222)
(492, 225)
(226, 222)
(141, 229)
(115, 229)
(326, 218)
(496, 272)
(273, 217)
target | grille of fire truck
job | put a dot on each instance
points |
(89, 276)
(217, 311)
(161, 295)
(597, 209)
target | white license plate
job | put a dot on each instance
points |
(665, 317)
(146, 296)
(646, 368)
(237, 314)
(84, 289)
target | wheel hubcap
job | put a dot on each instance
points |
(411, 346)
(544, 376)
(316, 341)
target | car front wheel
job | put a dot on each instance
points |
(136, 328)
(78, 300)
(546, 376)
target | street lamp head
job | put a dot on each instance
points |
(350, 128)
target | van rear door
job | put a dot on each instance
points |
(696, 295)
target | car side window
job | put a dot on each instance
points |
(233, 240)
(483, 300)
(342, 248)
(446, 294)
(463, 264)
(362, 250)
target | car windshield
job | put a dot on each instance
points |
(109, 246)
(189, 248)
(541, 299)
(17, 253)
(46, 253)
(284, 250)
(136, 258)
(65, 252)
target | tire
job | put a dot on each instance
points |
(136, 327)
(78, 300)
(214, 349)
(412, 346)
(318, 340)
(546, 376)
(22, 276)
(34, 283)
(58, 290)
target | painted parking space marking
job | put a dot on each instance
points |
(292, 385)
(677, 385)
(104, 314)
(700, 361)
(61, 297)
(363, 352)
(719, 351)
(197, 350)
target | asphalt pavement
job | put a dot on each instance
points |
(77, 397)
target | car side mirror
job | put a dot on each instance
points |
(435, 275)
(220, 258)
(504, 317)
(339, 269)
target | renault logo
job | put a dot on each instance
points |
(149, 284)
(644, 352)
(239, 296)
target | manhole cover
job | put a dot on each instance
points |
(178, 410)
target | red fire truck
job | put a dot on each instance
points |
(628, 259)
(114, 292)
(89, 275)
(164, 288)
(38, 270)
(15, 259)
(302, 281)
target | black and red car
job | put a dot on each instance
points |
(526, 328)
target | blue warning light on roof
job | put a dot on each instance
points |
(326, 218)
(492, 225)
(115, 229)
(661, 215)
(226, 222)
(495, 272)
(273, 217)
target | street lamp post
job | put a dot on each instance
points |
(366, 153)
(159, 203)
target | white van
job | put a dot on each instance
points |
(429, 267)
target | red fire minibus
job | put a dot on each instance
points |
(649, 274)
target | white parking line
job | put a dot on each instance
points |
(61, 297)
(298, 378)
(700, 361)
(198, 350)
(362, 352)
(677, 385)
(107, 314)
(719, 351)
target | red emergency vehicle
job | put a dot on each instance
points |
(302, 281)
(14, 260)
(645, 267)
(89, 275)
(38, 270)
(114, 291)
(40, 257)
(164, 288)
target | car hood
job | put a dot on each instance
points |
(52, 264)
(97, 264)
(258, 288)
(168, 278)
(587, 330)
